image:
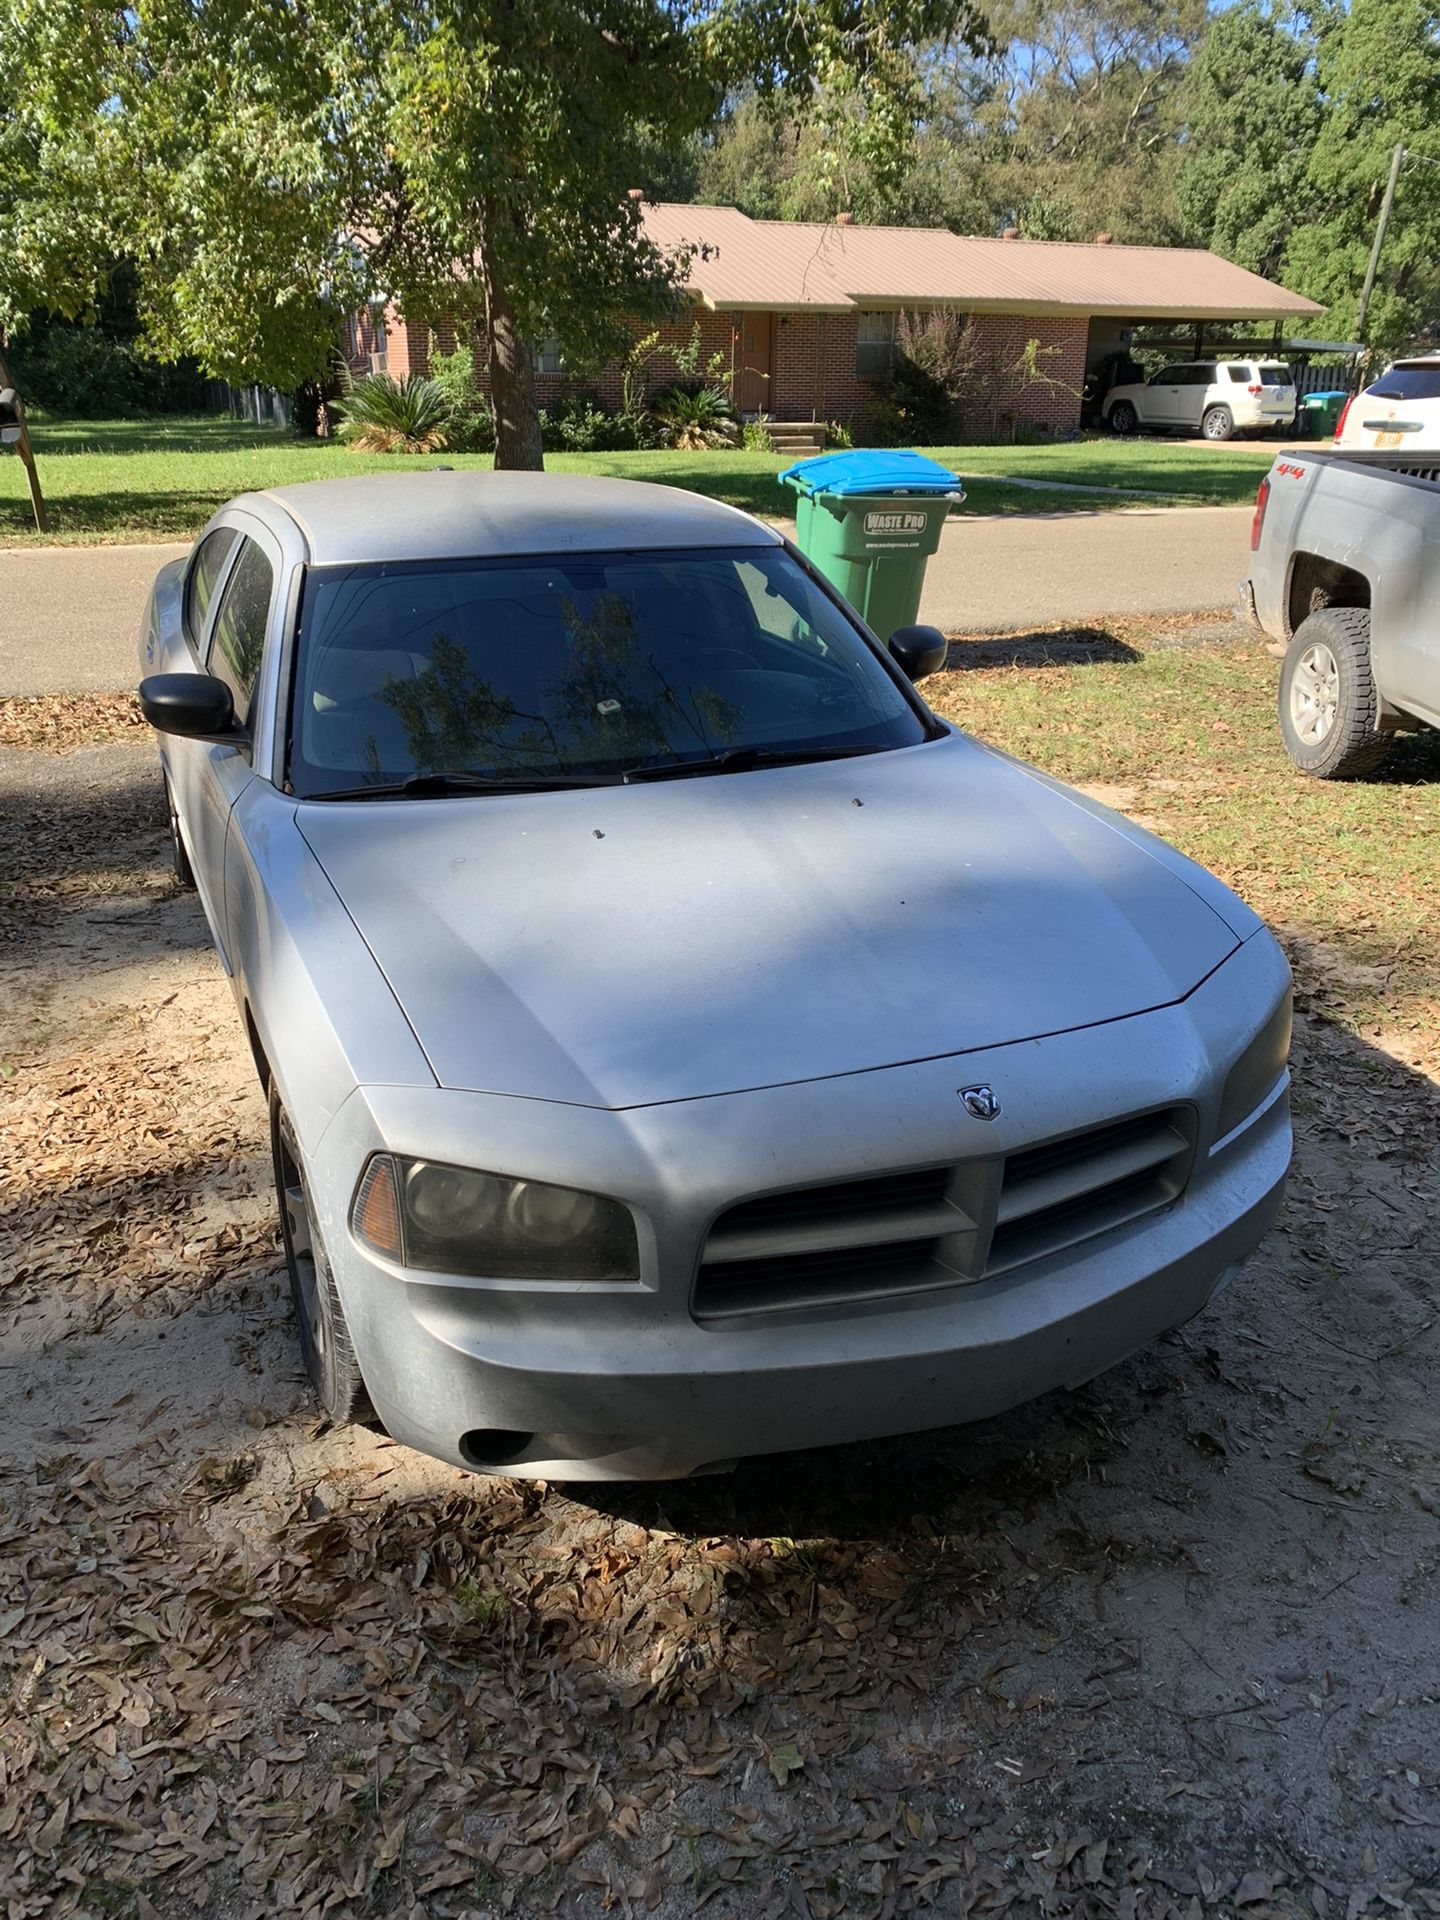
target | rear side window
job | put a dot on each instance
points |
(1413, 382)
(239, 637)
(208, 565)
(1240, 375)
(1193, 376)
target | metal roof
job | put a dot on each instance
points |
(440, 516)
(741, 262)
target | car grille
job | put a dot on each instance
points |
(928, 1227)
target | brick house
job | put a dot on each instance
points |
(803, 314)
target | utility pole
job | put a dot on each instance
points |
(1381, 226)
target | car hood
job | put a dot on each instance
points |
(620, 946)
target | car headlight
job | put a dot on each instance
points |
(458, 1220)
(1255, 1073)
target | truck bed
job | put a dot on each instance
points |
(1395, 461)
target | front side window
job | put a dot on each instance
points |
(239, 637)
(205, 571)
(579, 667)
(875, 346)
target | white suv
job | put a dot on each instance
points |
(1400, 409)
(1216, 398)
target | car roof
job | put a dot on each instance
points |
(439, 515)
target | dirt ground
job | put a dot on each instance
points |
(1169, 1645)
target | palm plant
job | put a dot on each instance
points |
(696, 415)
(383, 415)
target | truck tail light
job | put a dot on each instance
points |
(1262, 500)
(1257, 391)
(1344, 416)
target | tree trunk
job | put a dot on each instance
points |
(512, 372)
(27, 456)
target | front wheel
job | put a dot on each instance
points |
(1328, 702)
(1218, 423)
(184, 872)
(319, 1318)
(1123, 417)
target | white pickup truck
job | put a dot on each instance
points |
(1345, 565)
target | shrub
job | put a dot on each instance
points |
(838, 436)
(757, 436)
(385, 415)
(697, 416)
(81, 372)
(472, 424)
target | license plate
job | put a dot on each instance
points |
(1388, 439)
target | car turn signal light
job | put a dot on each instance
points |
(377, 1207)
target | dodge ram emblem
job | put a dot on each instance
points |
(980, 1102)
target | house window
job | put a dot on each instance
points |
(547, 357)
(379, 340)
(875, 346)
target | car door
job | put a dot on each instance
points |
(210, 775)
(1192, 396)
(1162, 398)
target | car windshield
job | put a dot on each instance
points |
(1275, 376)
(575, 666)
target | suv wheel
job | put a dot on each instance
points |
(1123, 417)
(1328, 703)
(1218, 423)
(320, 1320)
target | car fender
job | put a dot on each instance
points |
(322, 1012)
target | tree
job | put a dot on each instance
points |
(1252, 113)
(1379, 72)
(281, 165)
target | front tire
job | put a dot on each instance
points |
(319, 1318)
(1218, 423)
(184, 872)
(1328, 702)
(1123, 417)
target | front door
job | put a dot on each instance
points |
(753, 345)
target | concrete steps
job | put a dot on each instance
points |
(797, 437)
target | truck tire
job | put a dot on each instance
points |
(1123, 417)
(1328, 702)
(1218, 423)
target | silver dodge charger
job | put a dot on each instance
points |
(680, 1044)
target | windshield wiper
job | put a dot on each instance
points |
(746, 759)
(429, 786)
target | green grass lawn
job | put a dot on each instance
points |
(114, 480)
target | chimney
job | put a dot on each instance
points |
(1011, 233)
(1104, 239)
(844, 219)
(635, 193)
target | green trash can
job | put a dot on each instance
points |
(1321, 414)
(869, 520)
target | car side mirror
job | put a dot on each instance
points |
(918, 651)
(196, 706)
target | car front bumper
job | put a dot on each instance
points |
(622, 1381)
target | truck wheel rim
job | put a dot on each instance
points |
(1215, 424)
(1314, 694)
(300, 1242)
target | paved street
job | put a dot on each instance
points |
(69, 616)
